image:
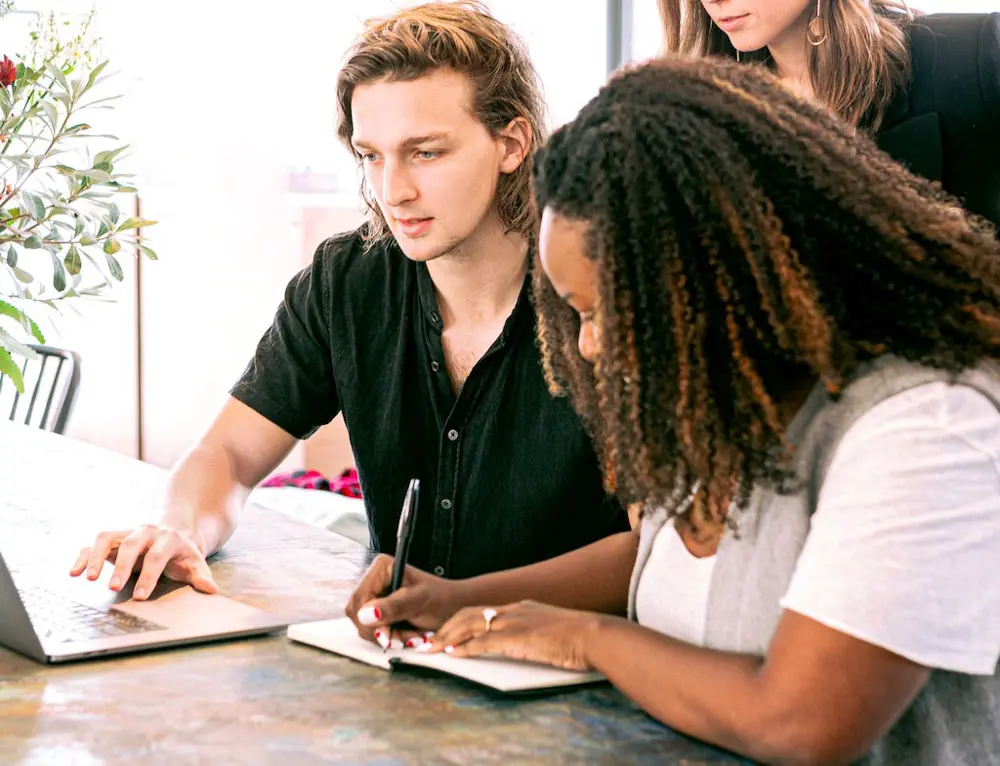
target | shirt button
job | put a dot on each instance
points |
(439, 571)
(446, 504)
(435, 317)
(453, 435)
(435, 366)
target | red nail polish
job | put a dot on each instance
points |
(378, 634)
(378, 613)
(409, 644)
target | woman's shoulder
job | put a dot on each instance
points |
(960, 28)
(957, 50)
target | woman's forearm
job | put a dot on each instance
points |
(711, 695)
(594, 578)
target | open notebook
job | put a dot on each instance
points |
(341, 637)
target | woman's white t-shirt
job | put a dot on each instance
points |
(904, 547)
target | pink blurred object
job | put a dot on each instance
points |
(345, 484)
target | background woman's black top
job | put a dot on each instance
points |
(946, 125)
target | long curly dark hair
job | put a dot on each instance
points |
(744, 240)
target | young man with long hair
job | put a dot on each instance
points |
(418, 327)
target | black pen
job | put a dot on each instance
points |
(404, 536)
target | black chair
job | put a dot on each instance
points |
(50, 385)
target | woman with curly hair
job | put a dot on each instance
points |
(927, 87)
(784, 346)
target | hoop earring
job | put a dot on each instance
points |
(816, 32)
(737, 55)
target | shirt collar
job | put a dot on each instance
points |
(429, 306)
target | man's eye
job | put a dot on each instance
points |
(368, 156)
(427, 154)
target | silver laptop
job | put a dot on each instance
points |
(74, 618)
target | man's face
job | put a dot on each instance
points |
(431, 166)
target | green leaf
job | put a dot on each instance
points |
(100, 270)
(112, 246)
(13, 344)
(92, 136)
(11, 370)
(148, 252)
(58, 273)
(114, 266)
(23, 276)
(113, 213)
(34, 205)
(72, 261)
(135, 223)
(33, 242)
(11, 256)
(95, 174)
(99, 102)
(94, 74)
(52, 113)
(23, 319)
(60, 209)
(103, 230)
(87, 241)
(78, 225)
(58, 75)
(66, 170)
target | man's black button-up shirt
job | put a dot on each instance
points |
(508, 476)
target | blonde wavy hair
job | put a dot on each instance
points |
(855, 72)
(464, 37)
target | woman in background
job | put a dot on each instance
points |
(927, 87)
(783, 345)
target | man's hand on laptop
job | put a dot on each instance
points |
(150, 550)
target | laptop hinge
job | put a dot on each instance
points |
(16, 630)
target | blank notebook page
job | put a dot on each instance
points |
(341, 637)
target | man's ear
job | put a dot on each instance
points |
(515, 140)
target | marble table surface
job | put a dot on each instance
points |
(263, 700)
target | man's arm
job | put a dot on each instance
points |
(287, 389)
(209, 485)
(204, 494)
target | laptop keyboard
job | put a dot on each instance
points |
(58, 618)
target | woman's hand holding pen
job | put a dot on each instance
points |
(424, 602)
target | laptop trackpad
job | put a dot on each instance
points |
(175, 606)
(172, 604)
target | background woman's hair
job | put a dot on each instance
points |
(466, 38)
(746, 241)
(856, 71)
